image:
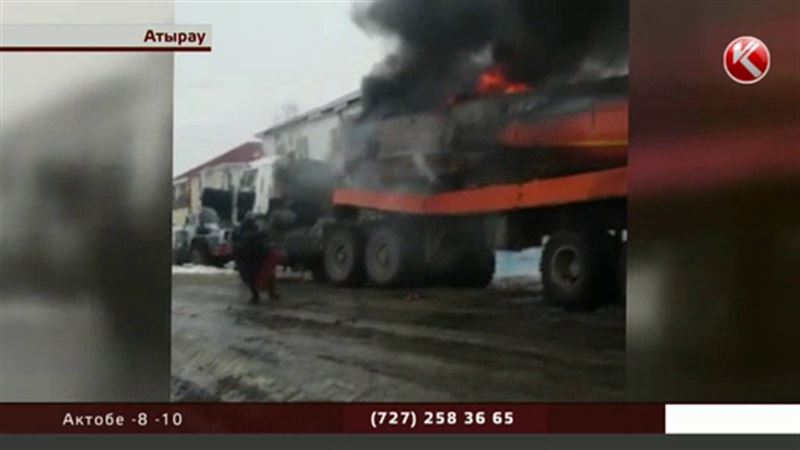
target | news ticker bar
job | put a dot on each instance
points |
(105, 38)
(480, 418)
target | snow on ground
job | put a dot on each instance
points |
(203, 270)
(192, 269)
(531, 283)
(513, 269)
(517, 264)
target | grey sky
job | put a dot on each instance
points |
(264, 55)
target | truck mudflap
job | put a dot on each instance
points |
(585, 187)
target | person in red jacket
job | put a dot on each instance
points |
(255, 257)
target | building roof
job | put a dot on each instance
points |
(331, 107)
(242, 153)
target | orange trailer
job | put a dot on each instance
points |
(572, 143)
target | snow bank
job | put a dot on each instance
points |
(518, 283)
(203, 270)
(509, 264)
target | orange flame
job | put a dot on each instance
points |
(495, 81)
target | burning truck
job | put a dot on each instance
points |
(436, 194)
(434, 180)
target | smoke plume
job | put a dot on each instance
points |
(443, 46)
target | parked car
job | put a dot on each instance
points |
(203, 240)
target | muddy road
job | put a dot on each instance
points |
(319, 343)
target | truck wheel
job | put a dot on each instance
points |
(391, 258)
(578, 269)
(199, 256)
(343, 258)
(474, 269)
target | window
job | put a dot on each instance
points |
(301, 147)
(248, 181)
(335, 140)
(180, 195)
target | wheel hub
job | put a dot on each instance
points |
(566, 267)
(340, 255)
(382, 256)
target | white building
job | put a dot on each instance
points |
(315, 134)
(223, 172)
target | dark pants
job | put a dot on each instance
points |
(260, 274)
(248, 272)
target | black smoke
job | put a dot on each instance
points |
(443, 46)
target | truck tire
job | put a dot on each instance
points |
(578, 269)
(199, 255)
(391, 257)
(473, 269)
(343, 257)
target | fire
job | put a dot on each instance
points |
(495, 81)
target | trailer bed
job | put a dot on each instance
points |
(585, 187)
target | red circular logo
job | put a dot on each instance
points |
(746, 60)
